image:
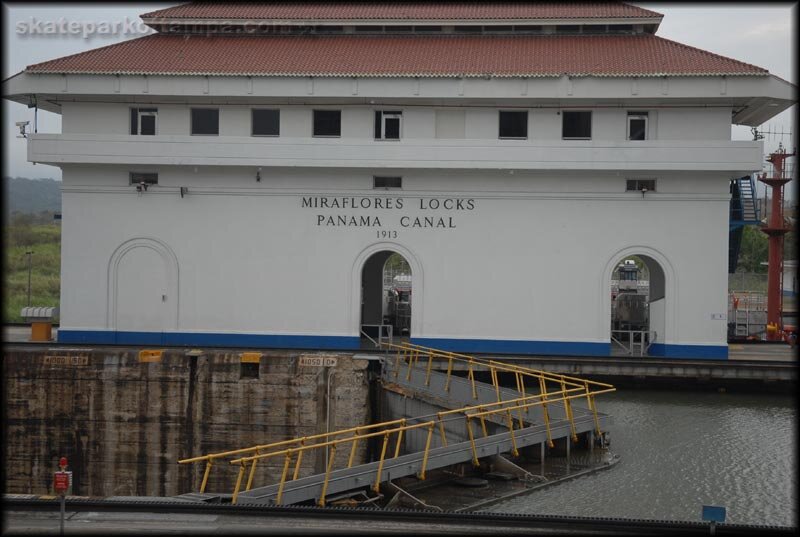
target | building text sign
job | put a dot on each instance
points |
(318, 361)
(387, 213)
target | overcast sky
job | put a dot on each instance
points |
(762, 34)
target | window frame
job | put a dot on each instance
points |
(138, 112)
(376, 187)
(314, 123)
(380, 125)
(191, 120)
(563, 119)
(253, 122)
(500, 122)
(638, 115)
(637, 183)
(148, 183)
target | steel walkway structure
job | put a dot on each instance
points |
(473, 420)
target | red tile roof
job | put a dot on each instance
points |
(402, 10)
(394, 56)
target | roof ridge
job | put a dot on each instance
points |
(704, 51)
(639, 12)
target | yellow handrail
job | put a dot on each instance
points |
(411, 353)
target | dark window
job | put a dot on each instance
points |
(266, 122)
(249, 370)
(143, 121)
(387, 182)
(568, 29)
(205, 121)
(577, 124)
(327, 122)
(146, 178)
(626, 28)
(369, 29)
(637, 125)
(387, 124)
(399, 29)
(513, 124)
(329, 29)
(528, 29)
(468, 29)
(498, 29)
(427, 28)
(637, 185)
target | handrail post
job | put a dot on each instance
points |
(252, 474)
(428, 373)
(495, 382)
(209, 463)
(377, 486)
(238, 484)
(421, 474)
(472, 378)
(568, 408)
(441, 430)
(483, 422)
(300, 452)
(514, 450)
(472, 443)
(353, 449)
(449, 373)
(399, 439)
(286, 462)
(521, 389)
(545, 413)
(327, 475)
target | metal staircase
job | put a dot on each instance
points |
(472, 420)
(743, 212)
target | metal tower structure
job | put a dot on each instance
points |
(775, 229)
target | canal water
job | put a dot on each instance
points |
(682, 450)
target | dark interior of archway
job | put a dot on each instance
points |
(377, 307)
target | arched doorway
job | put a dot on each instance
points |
(142, 287)
(638, 305)
(386, 297)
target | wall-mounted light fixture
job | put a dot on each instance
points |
(184, 190)
(258, 175)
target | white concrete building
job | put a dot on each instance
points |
(245, 190)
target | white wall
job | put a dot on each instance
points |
(251, 259)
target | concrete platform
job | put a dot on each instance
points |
(771, 352)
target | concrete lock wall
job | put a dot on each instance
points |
(123, 424)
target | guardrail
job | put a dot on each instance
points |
(646, 338)
(293, 450)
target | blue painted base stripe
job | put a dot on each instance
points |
(504, 346)
(707, 352)
(487, 346)
(178, 339)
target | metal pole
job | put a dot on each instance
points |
(63, 508)
(30, 255)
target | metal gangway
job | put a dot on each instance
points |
(482, 419)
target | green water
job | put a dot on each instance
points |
(682, 450)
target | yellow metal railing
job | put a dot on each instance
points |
(293, 450)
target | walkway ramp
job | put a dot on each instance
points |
(445, 419)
